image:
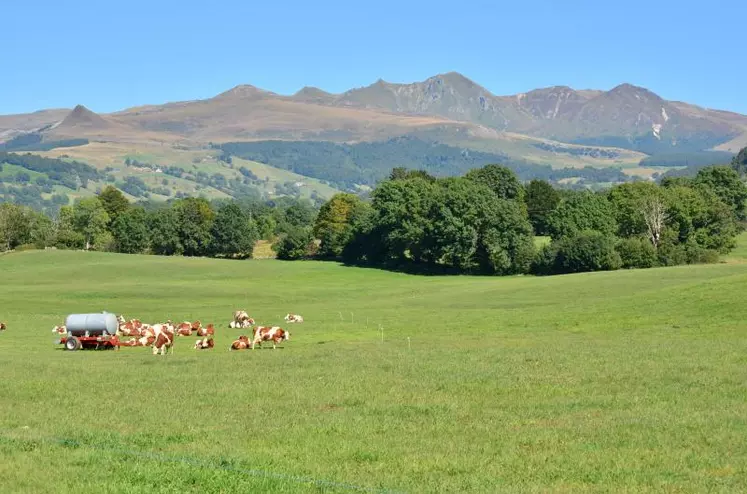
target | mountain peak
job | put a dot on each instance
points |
(630, 89)
(243, 91)
(310, 93)
(81, 116)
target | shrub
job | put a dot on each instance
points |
(695, 254)
(296, 244)
(637, 253)
(544, 260)
(586, 251)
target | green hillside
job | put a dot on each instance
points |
(628, 381)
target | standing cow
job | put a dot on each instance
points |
(275, 334)
(164, 338)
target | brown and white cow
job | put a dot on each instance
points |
(293, 318)
(132, 327)
(3, 327)
(241, 318)
(246, 323)
(164, 338)
(204, 344)
(276, 334)
(206, 331)
(242, 343)
(147, 330)
(60, 329)
(185, 328)
(142, 341)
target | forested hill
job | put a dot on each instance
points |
(346, 165)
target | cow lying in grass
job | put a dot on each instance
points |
(204, 344)
(61, 330)
(186, 328)
(275, 334)
(142, 341)
(3, 327)
(242, 343)
(293, 318)
(207, 331)
(246, 323)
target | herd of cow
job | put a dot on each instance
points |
(161, 336)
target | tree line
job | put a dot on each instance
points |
(485, 222)
(190, 226)
(347, 165)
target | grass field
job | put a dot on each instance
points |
(629, 381)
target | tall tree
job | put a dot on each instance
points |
(163, 225)
(67, 236)
(632, 203)
(582, 211)
(130, 231)
(542, 199)
(334, 223)
(113, 201)
(500, 180)
(727, 185)
(403, 208)
(293, 245)
(15, 225)
(739, 163)
(195, 217)
(90, 220)
(233, 232)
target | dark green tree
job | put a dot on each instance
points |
(402, 173)
(500, 180)
(697, 216)
(130, 231)
(541, 199)
(630, 203)
(294, 245)
(67, 236)
(195, 219)
(334, 223)
(727, 185)
(233, 232)
(739, 163)
(637, 252)
(113, 201)
(90, 219)
(582, 211)
(15, 225)
(403, 208)
(584, 251)
(163, 225)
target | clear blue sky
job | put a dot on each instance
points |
(112, 55)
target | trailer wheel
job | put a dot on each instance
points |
(72, 343)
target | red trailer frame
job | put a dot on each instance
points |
(105, 342)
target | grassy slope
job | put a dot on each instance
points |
(102, 155)
(623, 381)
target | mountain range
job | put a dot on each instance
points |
(557, 126)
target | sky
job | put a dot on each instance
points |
(117, 54)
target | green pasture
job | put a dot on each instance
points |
(628, 381)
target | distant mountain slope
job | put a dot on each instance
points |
(626, 116)
(557, 126)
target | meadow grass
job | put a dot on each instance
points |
(628, 381)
